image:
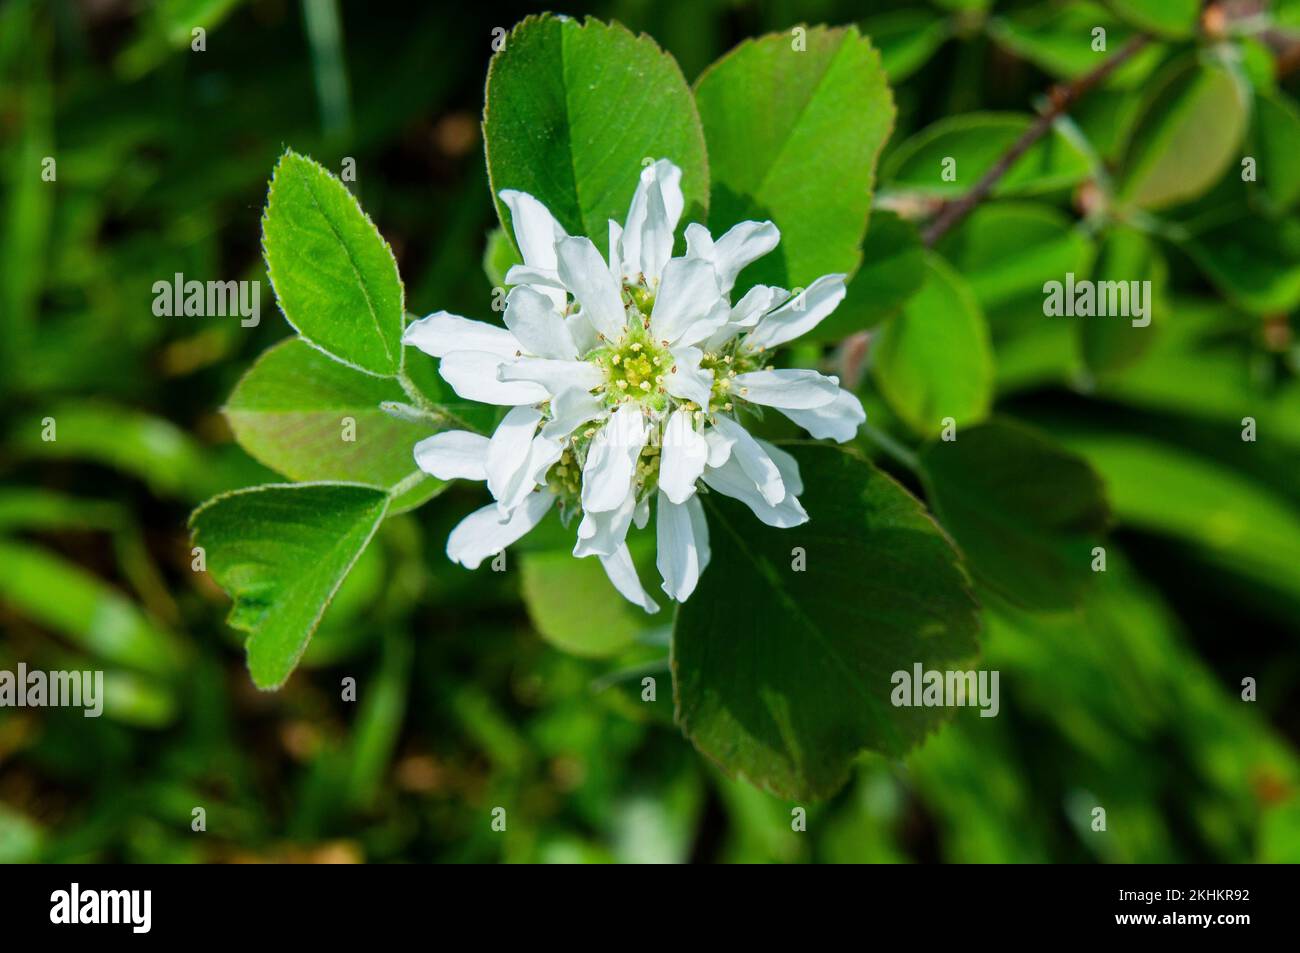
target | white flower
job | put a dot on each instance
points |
(627, 380)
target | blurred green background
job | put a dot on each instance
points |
(1132, 703)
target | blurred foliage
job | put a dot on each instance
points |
(466, 699)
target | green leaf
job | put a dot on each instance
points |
(1112, 344)
(906, 39)
(80, 606)
(933, 360)
(168, 27)
(1254, 261)
(573, 605)
(893, 269)
(1025, 512)
(573, 109)
(1059, 39)
(1220, 513)
(1276, 144)
(334, 275)
(1007, 250)
(1173, 18)
(161, 454)
(1104, 119)
(976, 141)
(281, 552)
(793, 136)
(29, 508)
(784, 676)
(1186, 134)
(295, 409)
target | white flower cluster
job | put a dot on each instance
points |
(626, 381)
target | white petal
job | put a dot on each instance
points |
(611, 459)
(507, 452)
(741, 245)
(536, 230)
(545, 281)
(655, 210)
(571, 408)
(706, 327)
(542, 455)
(800, 314)
(453, 455)
(683, 457)
(685, 379)
(642, 514)
(585, 274)
(699, 243)
(787, 465)
(753, 460)
(656, 235)
(669, 177)
(687, 295)
(621, 572)
(601, 534)
(555, 376)
(442, 333)
(731, 480)
(700, 526)
(533, 320)
(473, 375)
(615, 251)
(719, 446)
(580, 329)
(839, 420)
(787, 388)
(547, 278)
(482, 534)
(758, 300)
(678, 556)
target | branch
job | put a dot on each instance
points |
(1061, 98)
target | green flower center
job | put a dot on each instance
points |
(635, 367)
(724, 365)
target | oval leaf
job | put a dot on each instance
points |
(1025, 511)
(312, 418)
(573, 605)
(573, 109)
(784, 676)
(794, 131)
(334, 275)
(1186, 135)
(934, 360)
